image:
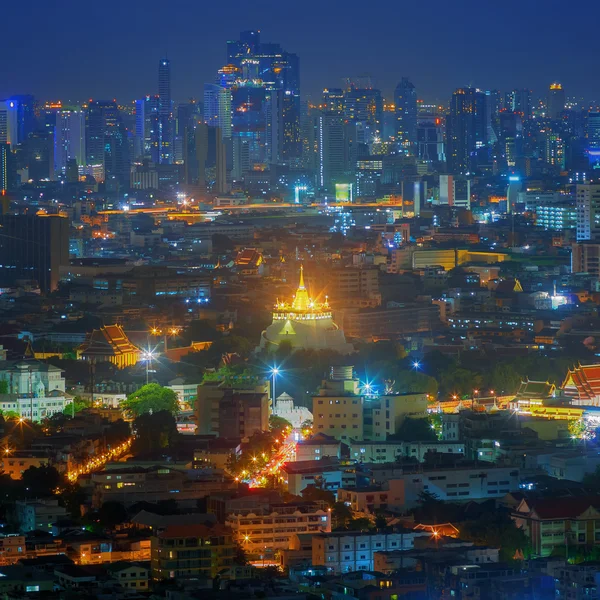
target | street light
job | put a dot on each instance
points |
(274, 372)
(147, 357)
(416, 365)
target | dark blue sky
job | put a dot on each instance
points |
(76, 50)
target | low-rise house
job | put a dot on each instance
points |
(216, 453)
(24, 580)
(264, 532)
(551, 522)
(346, 551)
(466, 481)
(330, 474)
(16, 462)
(38, 514)
(317, 447)
(131, 575)
(12, 548)
(192, 551)
(153, 484)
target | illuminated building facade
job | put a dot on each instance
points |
(165, 112)
(304, 324)
(405, 99)
(588, 212)
(466, 126)
(556, 100)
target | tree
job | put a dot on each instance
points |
(278, 424)
(40, 481)
(112, 513)
(497, 530)
(360, 524)
(76, 405)
(3, 387)
(155, 431)
(341, 515)
(413, 430)
(312, 493)
(151, 398)
(576, 428)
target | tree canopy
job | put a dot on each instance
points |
(151, 398)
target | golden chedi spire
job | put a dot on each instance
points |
(301, 299)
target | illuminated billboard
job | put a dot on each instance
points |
(343, 192)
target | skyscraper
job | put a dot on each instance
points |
(5, 158)
(9, 122)
(257, 64)
(147, 141)
(331, 150)
(519, 101)
(34, 248)
(593, 134)
(106, 141)
(217, 108)
(165, 112)
(69, 139)
(466, 128)
(211, 156)
(25, 106)
(366, 105)
(556, 100)
(405, 99)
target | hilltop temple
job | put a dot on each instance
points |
(305, 324)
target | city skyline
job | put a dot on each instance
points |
(509, 50)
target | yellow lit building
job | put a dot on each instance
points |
(304, 324)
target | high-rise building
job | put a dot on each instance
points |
(365, 105)
(165, 112)
(467, 130)
(252, 66)
(39, 155)
(330, 150)
(593, 135)
(405, 99)
(147, 141)
(69, 139)
(212, 158)
(98, 117)
(25, 105)
(588, 212)
(33, 248)
(217, 108)
(5, 160)
(555, 149)
(333, 100)
(556, 100)
(519, 101)
(9, 122)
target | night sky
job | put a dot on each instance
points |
(76, 50)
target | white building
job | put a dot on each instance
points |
(369, 451)
(452, 484)
(318, 447)
(588, 211)
(296, 415)
(262, 533)
(347, 551)
(35, 390)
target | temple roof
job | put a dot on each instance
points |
(108, 341)
(535, 389)
(583, 381)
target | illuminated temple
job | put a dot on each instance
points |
(305, 324)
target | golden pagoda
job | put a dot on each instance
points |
(305, 324)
